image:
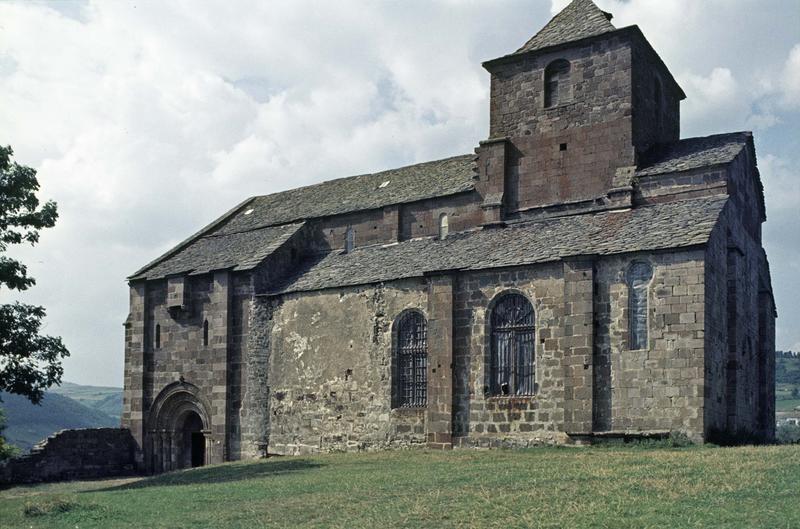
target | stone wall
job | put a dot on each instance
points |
(182, 351)
(75, 454)
(654, 121)
(660, 388)
(569, 152)
(484, 420)
(329, 378)
(740, 340)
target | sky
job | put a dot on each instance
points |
(147, 120)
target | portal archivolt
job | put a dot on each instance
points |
(178, 429)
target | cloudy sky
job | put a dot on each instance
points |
(146, 120)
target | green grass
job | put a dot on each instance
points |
(615, 487)
(786, 404)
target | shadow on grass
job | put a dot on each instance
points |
(218, 474)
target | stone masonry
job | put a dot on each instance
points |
(90, 453)
(585, 273)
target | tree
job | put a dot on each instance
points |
(29, 362)
(6, 450)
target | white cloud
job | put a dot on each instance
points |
(148, 120)
(790, 79)
(781, 179)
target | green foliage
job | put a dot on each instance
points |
(787, 368)
(29, 362)
(788, 434)
(573, 487)
(6, 450)
(45, 506)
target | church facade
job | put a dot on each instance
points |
(585, 273)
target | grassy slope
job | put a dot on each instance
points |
(549, 487)
(27, 424)
(105, 399)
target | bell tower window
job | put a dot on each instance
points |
(557, 85)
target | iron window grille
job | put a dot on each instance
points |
(512, 369)
(412, 360)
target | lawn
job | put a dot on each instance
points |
(548, 487)
(787, 404)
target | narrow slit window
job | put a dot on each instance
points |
(349, 239)
(205, 333)
(557, 85)
(158, 336)
(639, 276)
(444, 226)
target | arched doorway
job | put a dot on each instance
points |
(192, 450)
(179, 430)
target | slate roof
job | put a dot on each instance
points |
(356, 193)
(693, 153)
(579, 20)
(234, 251)
(205, 251)
(645, 228)
(241, 239)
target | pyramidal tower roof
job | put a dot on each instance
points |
(580, 19)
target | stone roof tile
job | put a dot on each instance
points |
(344, 195)
(579, 20)
(646, 228)
(234, 251)
(357, 193)
(693, 153)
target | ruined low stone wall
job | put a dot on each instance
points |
(75, 454)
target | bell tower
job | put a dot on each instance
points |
(571, 113)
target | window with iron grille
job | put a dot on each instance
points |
(512, 369)
(411, 350)
(639, 276)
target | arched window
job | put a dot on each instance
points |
(444, 226)
(512, 363)
(205, 333)
(349, 239)
(411, 350)
(557, 84)
(639, 276)
(158, 336)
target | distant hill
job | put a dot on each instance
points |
(105, 399)
(787, 381)
(27, 424)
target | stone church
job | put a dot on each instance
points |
(585, 273)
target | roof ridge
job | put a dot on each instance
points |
(580, 19)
